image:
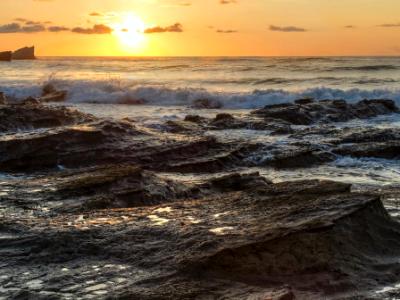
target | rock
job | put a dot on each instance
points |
(5, 56)
(308, 239)
(48, 88)
(304, 101)
(30, 101)
(308, 112)
(206, 104)
(132, 101)
(24, 53)
(181, 127)
(195, 119)
(3, 99)
(51, 94)
(31, 114)
(58, 96)
(388, 150)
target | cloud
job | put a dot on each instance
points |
(226, 31)
(287, 28)
(390, 25)
(95, 14)
(96, 29)
(177, 27)
(57, 28)
(17, 28)
(227, 1)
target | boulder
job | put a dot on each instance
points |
(24, 53)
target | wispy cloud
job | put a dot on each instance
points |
(17, 28)
(226, 31)
(96, 29)
(227, 1)
(57, 28)
(177, 27)
(390, 25)
(287, 28)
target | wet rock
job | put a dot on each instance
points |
(388, 150)
(30, 115)
(206, 104)
(58, 96)
(238, 182)
(116, 186)
(30, 101)
(3, 99)
(195, 119)
(51, 94)
(181, 127)
(132, 101)
(309, 112)
(308, 239)
(292, 156)
(304, 101)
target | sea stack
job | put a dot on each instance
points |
(24, 53)
(5, 56)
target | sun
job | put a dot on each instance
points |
(130, 31)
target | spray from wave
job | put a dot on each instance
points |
(114, 91)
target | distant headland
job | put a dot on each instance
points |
(23, 53)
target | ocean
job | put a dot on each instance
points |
(236, 82)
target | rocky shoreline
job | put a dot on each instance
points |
(89, 209)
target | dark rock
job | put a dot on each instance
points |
(181, 127)
(3, 99)
(30, 101)
(132, 101)
(58, 96)
(195, 119)
(5, 56)
(206, 104)
(24, 53)
(388, 150)
(48, 88)
(304, 101)
(312, 239)
(33, 115)
(327, 111)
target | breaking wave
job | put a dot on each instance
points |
(116, 92)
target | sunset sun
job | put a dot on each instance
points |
(130, 31)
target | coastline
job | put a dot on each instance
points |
(113, 203)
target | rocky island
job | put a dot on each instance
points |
(25, 53)
(96, 207)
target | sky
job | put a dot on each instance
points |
(201, 27)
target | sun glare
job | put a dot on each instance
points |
(130, 31)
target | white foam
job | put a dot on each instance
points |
(112, 91)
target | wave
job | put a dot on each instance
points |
(103, 91)
(366, 68)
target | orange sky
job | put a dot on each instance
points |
(202, 27)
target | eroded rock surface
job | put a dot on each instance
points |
(33, 115)
(100, 209)
(309, 112)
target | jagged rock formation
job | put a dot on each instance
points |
(24, 53)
